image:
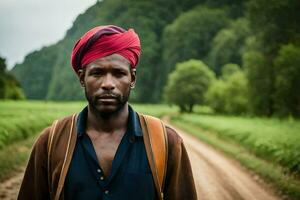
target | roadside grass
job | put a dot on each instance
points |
(14, 156)
(22, 121)
(226, 134)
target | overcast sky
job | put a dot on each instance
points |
(27, 25)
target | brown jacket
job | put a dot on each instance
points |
(39, 185)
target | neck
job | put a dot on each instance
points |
(109, 123)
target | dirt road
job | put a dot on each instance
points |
(220, 178)
(216, 176)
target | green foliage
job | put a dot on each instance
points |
(287, 81)
(9, 86)
(260, 78)
(188, 83)
(215, 96)
(235, 7)
(229, 69)
(190, 35)
(35, 72)
(275, 23)
(236, 94)
(229, 94)
(228, 45)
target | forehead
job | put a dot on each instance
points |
(111, 61)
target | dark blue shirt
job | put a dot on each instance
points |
(130, 176)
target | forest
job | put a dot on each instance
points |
(256, 42)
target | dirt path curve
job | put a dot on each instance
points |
(216, 176)
(220, 178)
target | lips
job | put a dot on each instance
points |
(107, 99)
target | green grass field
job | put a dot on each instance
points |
(275, 142)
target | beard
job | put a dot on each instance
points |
(103, 110)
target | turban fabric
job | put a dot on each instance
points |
(103, 41)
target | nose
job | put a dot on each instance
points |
(108, 82)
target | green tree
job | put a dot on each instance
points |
(188, 83)
(229, 94)
(228, 45)
(236, 94)
(274, 23)
(2, 79)
(190, 35)
(229, 69)
(9, 86)
(215, 96)
(261, 85)
(287, 81)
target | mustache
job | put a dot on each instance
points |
(107, 95)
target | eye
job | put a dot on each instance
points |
(96, 72)
(120, 73)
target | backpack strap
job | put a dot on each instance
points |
(67, 147)
(155, 140)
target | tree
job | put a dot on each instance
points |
(287, 81)
(9, 86)
(188, 83)
(275, 23)
(215, 96)
(261, 85)
(190, 35)
(227, 46)
(229, 69)
(236, 94)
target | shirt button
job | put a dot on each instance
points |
(101, 178)
(132, 139)
(98, 170)
(106, 191)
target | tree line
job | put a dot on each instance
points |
(253, 44)
(255, 59)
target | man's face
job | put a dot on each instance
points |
(107, 82)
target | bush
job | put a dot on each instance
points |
(229, 94)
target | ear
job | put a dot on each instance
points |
(133, 78)
(81, 75)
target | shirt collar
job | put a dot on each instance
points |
(133, 125)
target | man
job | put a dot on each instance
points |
(101, 153)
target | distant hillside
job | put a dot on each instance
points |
(46, 74)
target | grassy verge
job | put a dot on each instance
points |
(21, 121)
(269, 171)
(14, 156)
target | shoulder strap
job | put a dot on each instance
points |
(155, 139)
(53, 136)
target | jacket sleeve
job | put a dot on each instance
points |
(179, 182)
(35, 182)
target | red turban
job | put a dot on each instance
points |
(103, 41)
